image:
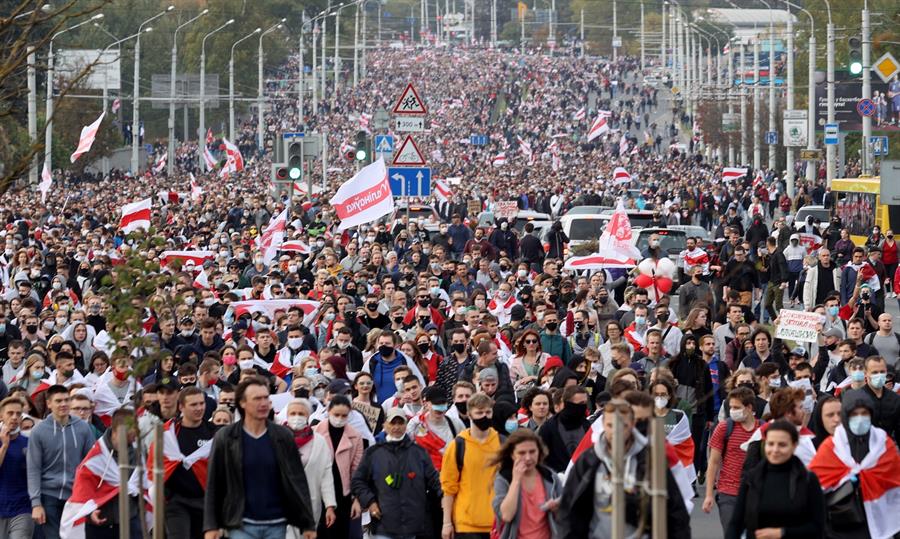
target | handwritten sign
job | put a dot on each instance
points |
(798, 326)
(505, 208)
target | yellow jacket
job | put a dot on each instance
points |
(474, 487)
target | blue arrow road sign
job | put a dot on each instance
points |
(478, 140)
(879, 145)
(417, 180)
(771, 137)
(384, 144)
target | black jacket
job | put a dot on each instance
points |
(778, 270)
(531, 249)
(224, 502)
(415, 486)
(577, 502)
(504, 382)
(885, 411)
(558, 454)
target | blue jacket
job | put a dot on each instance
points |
(54, 451)
(460, 234)
(383, 374)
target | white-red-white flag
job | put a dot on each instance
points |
(209, 135)
(201, 281)
(499, 160)
(525, 148)
(197, 258)
(197, 462)
(270, 240)
(196, 190)
(160, 163)
(580, 114)
(620, 176)
(442, 191)
(733, 173)
(295, 246)
(136, 215)
(234, 161)
(615, 241)
(623, 144)
(46, 182)
(209, 159)
(598, 128)
(365, 197)
(86, 140)
(116, 104)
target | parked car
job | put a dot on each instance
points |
(424, 213)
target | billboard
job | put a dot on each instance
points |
(103, 67)
(847, 94)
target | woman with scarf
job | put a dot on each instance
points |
(317, 460)
(859, 470)
(779, 497)
(83, 336)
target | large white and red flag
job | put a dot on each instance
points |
(364, 198)
(598, 128)
(620, 176)
(86, 140)
(616, 240)
(46, 182)
(525, 148)
(197, 462)
(196, 257)
(234, 161)
(209, 135)
(733, 173)
(136, 215)
(270, 306)
(499, 160)
(442, 191)
(96, 483)
(160, 163)
(878, 475)
(295, 246)
(209, 159)
(270, 240)
(196, 190)
(680, 438)
(580, 114)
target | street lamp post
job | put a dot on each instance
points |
(260, 120)
(231, 134)
(201, 135)
(48, 132)
(829, 80)
(135, 118)
(771, 80)
(170, 164)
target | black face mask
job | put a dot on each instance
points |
(832, 347)
(459, 348)
(551, 326)
(304, 289)
(579, 326)
(424, 347)
(31, 329)
(301, 393)
(398, 319)
(371, 306)
(423, 320)
(603, 299)
(462, 407)
(386, 351)
(526, 300)
(410, 277)
(572, 414)
(642, 426)
(424, 302)
(483, 423)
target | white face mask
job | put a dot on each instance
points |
(390, 438)
(737, 415)
(297, 422)
(337, 423)
(246, 364)
(660, 402)
(295, 342)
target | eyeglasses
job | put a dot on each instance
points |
(80, 409)
(531, 341)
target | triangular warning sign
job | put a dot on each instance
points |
(410, 102)
(409, 153)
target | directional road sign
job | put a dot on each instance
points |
(478, 140)
(831, 135)
(771, 137)
(409, 124)
(879, 145)
(417, 181)
(384, 144)
(865, 107)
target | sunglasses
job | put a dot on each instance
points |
(531, 341)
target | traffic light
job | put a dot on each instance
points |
(855, 63)
(294, 158)
(279, 172)
(363, 152)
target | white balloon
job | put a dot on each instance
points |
(665, 268)
(647, 267)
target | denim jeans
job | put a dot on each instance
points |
(259, 531)
(53, 508)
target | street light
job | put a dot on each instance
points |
(337, 58)
(829, 83)
(45, 9)
(48, 132)
(315, 85)
(170, 164)
(201, 135)
(231, 83)
(135, 119)
(259, 107)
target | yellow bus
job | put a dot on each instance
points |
(858, 204)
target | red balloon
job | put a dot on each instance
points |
(664, 285)
(643, 281)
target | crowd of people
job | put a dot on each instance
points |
(408, 378)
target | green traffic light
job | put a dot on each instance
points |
(360, 155)
(856, 68)
(294, 173)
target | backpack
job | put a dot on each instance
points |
(729, 428)
(870, 338)
(461, 450)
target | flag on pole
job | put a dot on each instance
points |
(364, 197)
(136, 215)
(160, 163)
(234, 161)
(209, 135)
(499, 160)
(209, 159)
(270, 240)
(525, 148)
(196, 191)
(86, 140)
(599, 127)
(733, 173)
(620, 176)
(46, 182)
(295, 246)
(442, 191)
(116, 104)
(580, 114)
(623, 144)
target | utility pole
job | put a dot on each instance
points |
(32, 114)
(662, 48)
(731, 96)
(642, 34)
(363, 50)
(356, 47)
(772, 85)
(337, 57)
(615, 33)
(322, 73)
(300, 82)
(552, 37)
(745, 156)
(315, 78)
(581, 28)
(757, 101)
(811, 101)
(866, 88)
(829, 77)
(789, 150)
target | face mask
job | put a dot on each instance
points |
(258, 261)
(461, 407)
(60, 322)
(301, 393)
(483, 423)
(660, 402)
(2, 328)
(860, 424)
(503, 294)
(424, 347)
(857, 376)
(37, 375)
(877, 381)
(31, 329)
(337, 423)
(319, 393)
(654, 243)
(640, 320)
(776, 382)
(398, 319)
(441, 408)
(295, 342)
(511, 425)
(386, 351)
(833, 310)
(736, 415)
(57, 285)
(551, 326)
(458, 348)
(245, 364)
(579, 326)
(399, 385)
(603, 299)
(309, 373)
(642, 426)
(229, 360)
(121, 376)
(187, 332)
(297, 422)
(522, 273)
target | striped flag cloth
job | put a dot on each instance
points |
(733, 173)
(136, 215)
(160, 163)
(442, 191)
(86, 140)
(599, 127)
(620, 176)
(197, 258)
(499, 160)
(46, 182)
(525, 148)
(197, 462)
(209, 159)
(580, 114)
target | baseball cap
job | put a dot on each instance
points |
(338, 387)
(799, 351)
(489, 373)
(833, 332)
(394, 413)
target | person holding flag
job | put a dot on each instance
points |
(186, 446)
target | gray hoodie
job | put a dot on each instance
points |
(54, 451)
